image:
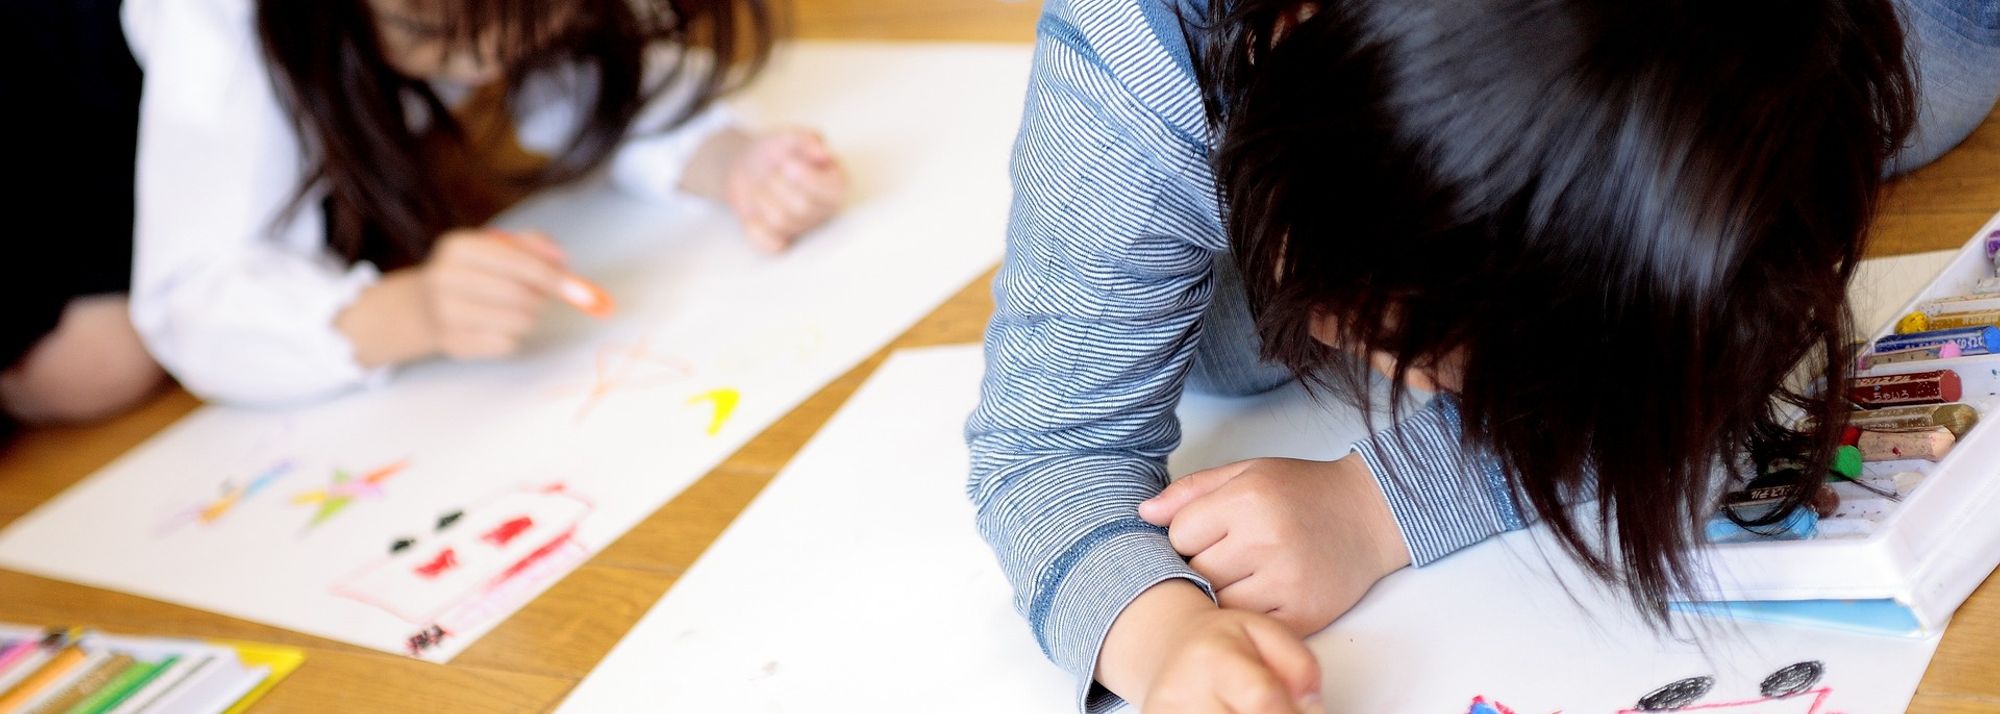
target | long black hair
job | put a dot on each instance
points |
(1622, 224)
(354, 109)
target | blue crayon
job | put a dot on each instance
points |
(1970, 340)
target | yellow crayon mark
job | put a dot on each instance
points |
(725, 405)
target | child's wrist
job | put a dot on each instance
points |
(1142, 635)
(389, 322)
(1385, 536)
(707, 172)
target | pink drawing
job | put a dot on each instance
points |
(478, 566)
(630, 367)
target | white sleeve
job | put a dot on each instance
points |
(651, 161)
(235, 302)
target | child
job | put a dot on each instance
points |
(312, 176)
(1603, 232)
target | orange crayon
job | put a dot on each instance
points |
(586, 297)
(50, 672)
(580, 293)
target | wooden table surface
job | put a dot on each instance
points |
(530, 662)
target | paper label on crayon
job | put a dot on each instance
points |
(1906, 389)
(1954, 320)
(1970, 340)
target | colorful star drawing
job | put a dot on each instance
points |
(233, 493)
(344, 490)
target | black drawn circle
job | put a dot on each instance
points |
(1792, 680)
(1676, 695)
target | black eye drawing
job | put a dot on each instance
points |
(1792, 680)
(1676, 695)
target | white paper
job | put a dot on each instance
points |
(856, 582)
(289, 517)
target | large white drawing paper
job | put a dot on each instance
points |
(857, 582)
(413, 518)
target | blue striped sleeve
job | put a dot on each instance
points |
(1443, 498)
(1112, 239)
(1097, 311)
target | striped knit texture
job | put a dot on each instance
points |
(1111, 242)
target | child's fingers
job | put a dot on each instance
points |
(794, 207)
(776, 215)
(490, 289)
(826, 185)
(1160, 510)
(1248, 686)
(1198, 527)
(809, 145)
(473, 317)
(762, 238)
(535, 242)
(1223, 566)
(473, 344)
(1248, 595)
(1289, 659)
(507, 260)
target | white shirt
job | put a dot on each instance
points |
(232, 292)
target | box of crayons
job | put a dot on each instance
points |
(1907, 523)
(68, 671)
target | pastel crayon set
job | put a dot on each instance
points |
(71, 671)
(1905, 523)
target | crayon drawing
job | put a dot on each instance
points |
(630, 367)
(1509, 618)
(213, 510)
(344, 491)
(600, 405)
(477, 565)
(725, 400)
(1790, 690)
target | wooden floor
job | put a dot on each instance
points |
(529, 663)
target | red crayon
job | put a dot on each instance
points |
(1895, 390)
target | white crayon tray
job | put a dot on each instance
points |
(1924, 554)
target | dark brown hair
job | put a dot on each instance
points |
(1627, 223)
(354, 109)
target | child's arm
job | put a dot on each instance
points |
(236, 310)
(1097, 311)
(1108, 270)
(780, 184)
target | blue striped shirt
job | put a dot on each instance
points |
(1111, 245)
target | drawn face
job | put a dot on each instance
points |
(1790, 690)
(472, 553)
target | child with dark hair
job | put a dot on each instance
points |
(1603, 234)
(312, 178)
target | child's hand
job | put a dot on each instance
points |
(485, 290)
(1301, 541)
(783, 184)
(1237, 662)
(1172, 651)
